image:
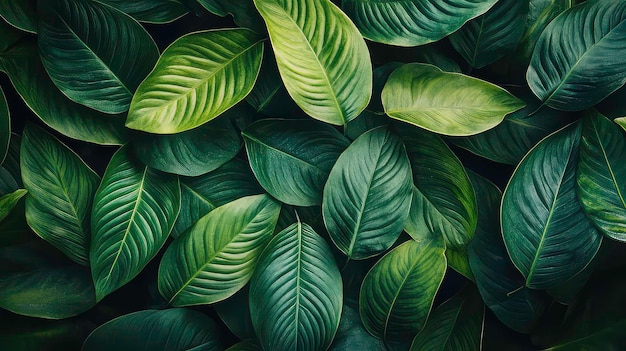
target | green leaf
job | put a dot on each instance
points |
(244, 13)
(455, 325)
(78, 36)
(601, 175)
(217, 256)
(9, 201)
(487, 38)
(577, 61)
(352, 336)
(500, 284)
(151, 11)
(134, 211)
(197, 78)
(323, 60)
(245, 346)
(235, 313)
(61, 188)
(24, 68)
(292, 159)
(412, 22)
(445, 103)
(191, 153)
(174, 329)
(9, 35)
(544, 226)
(202, 194)
(5, 127)
(458, 259)
(398, 292)
(21, 14)
(7, 182)
(12, 160)
(368, 194)
(296, 292)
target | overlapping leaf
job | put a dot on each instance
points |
(197, 78)
(152, 11)
(20, 13)
(9, 201)
(5, 127)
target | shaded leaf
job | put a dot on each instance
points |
(235, 313)
(9, 201)
(5, 127)
(151, 11)
(352, 335)
(243, 12)
(21, 14)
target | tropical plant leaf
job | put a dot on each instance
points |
(577, 60)
(134, 211)
(296, 292)
(352, 336)
(458, 259)
(197, 78)
(78, 36)
(487, 38)
(601, 175)
(9, 35)
(445, 103)
(217, 256)
(9, 201)
(151, 11)
(23, 66)
(455, 325)
(12, 160)
(168, 330)
(21, 14)
(545, 229)
(244, 13)
(245, 346)
(235, 313)
(5, 127)
(398, 292)
(24, 333)
(60, 193)
(500, 284)
(292, 159)
(322, 58)
(7, 182)
(413, 22)
(368, 194)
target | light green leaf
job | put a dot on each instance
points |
(61, 189)
(455, 325)
(458, 259)
(368, 194)
(217, 256)
(578, 59)
(5, 127)
(174, 329)
(601, 175)
(134, 211)
(151, 11)
(321, 56)
(398, 292)
(21, 14)
(9, 201)
(292, 159)
(78, 36)
(445, 103)
(296, 292)
(487, 38)
(545, 229)
(23, 66)
(197, 78)
(412, 22)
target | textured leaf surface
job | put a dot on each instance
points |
(544, 226)
(133, 213)
(174, 329)
(413, 22)
(398, 292)
(601, 176)
(296, 292)
(151, 11)
(217, 256)
(61, 189)
(368, 194)
(321, 56)
(21, 14)
(9, 201)
(197, 78)
(293, 158)
(445, 103)
(578, 59)
(78, 36)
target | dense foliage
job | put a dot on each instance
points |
(312, 174)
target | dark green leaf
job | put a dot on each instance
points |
(245, 346)
(5, 127)
(12, 160)
(151, 11)
(243, 12)
(9, 201)
(235, 313)
(351, 334)
(21, 14)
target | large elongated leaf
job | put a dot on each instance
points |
(217, 256)
(23, 66)
(293, 158)
(296, 292)
(197, 78)
(5, 127)
(445, 103)
(412, 22)
(545, 229)
(133, 213)
(601, 176)
(174, 329)
(398, 292)
(61, 189)
(151, 11)
(9, 201)
(578, 59)
(367, 197)
(322, 58)
(21, 14)
(78, 36)
(489, 37)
